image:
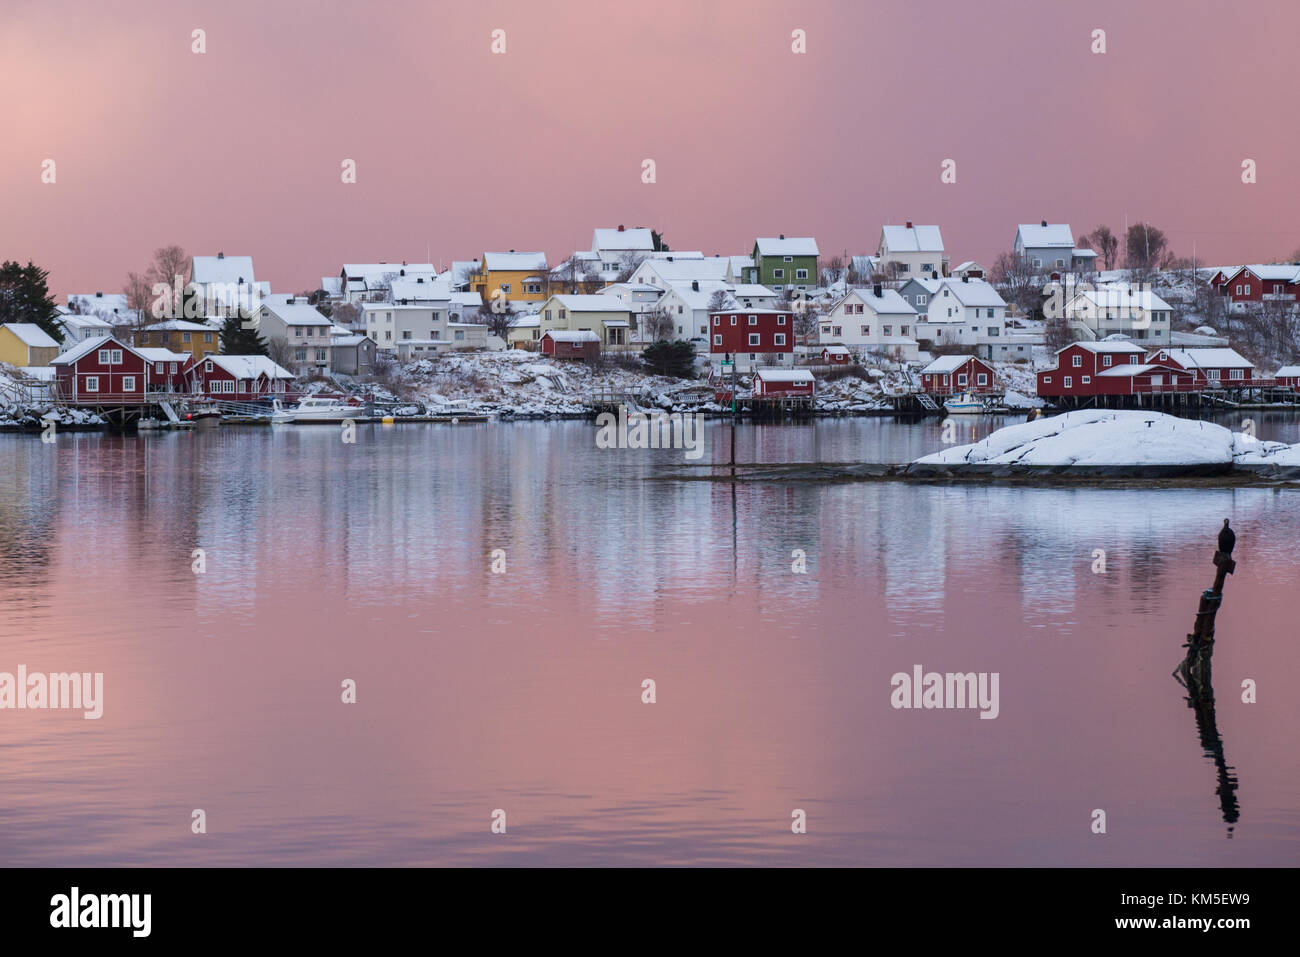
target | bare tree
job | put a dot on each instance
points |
(498, 316)
(1104, 243)
(280, 352)
(139, 296)
(655, 326)
(1144, 247)
(1014, 278)
(719, 301)
(345, 314)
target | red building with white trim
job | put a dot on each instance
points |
(241, 378)
(951, 375)
(102, 371)
(752, 337)
(784, 382)
(1212, 367)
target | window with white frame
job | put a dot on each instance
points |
(717, 339)
(753, 320)
(92, 383)
(778, 338)
(128, 383)
(1076, 361)
(1069, 382)
(755, 339)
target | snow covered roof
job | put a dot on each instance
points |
(911, 239)
(367, 272)
(1272, 272)
(73, 321)
(837, 350)
(974, 293)
(466, 299)
(969, 264)
(740, 262)
(700, 298)
(154, 354)
(1132, 369)
(222, 269)
(1037, 236)
(88, 346)
(753, 290)
(176, 325)
(1209, 358)
(802, 246)
(671, 270)
(592, 303)
(250, 367)
(514, 262)
(888, 303)
(785, 375)
(581, 335)
(332, 285)
(31, 335)
(100, 302)
(1106, 345)
(945, 364)
(1287, 372)
(296, 313)
(618, 240)
(419, 289)
(1122, 297)
(925, 282)
(1084, 253)
(351, 340)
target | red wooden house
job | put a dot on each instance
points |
(169, 371)
(836, 355)
(1211, 367)
(1288, 376)
(102, 371)
(1079, 364)
(241, 378)
(950, 375)
(1262, 283)
(784, 382)
(582, 344)
(750, 336)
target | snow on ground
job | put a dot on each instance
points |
(1100, 437)
(17, 412)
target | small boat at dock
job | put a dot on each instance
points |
(964, 404)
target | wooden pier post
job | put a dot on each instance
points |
(1195, 669)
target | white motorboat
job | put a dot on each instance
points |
(316, 409)
(964, 404)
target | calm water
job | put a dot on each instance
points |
(522, 691)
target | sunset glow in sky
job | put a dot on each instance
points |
(459, 150)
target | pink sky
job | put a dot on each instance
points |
(239, 149)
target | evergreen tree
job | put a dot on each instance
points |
(238, 341)
(676, 359)
(25, 297)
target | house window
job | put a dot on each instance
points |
(866, 330)
(297, 331)
(1076, 361)
(836, 331)
(207, 337)
(185, 337)
(990, 313)
(961, 378)
(717, 320)
(801, 274)
(158, 367)
(207, 366)
(778, 338)
(920, 300)
(787, 259)
(1213, 374)
(320, 355)
(104, 357)
(778, 273)
(406, 334)
(1133, 360)
(903, 330)
(505, 287)
(982, 378)
(563, 313)
(755, 339)
(388, 334)
(1069, 381)
(733, 320)
(889, 330)
(460, 335)
(1085, 380)
(92, 383)
(1047, 380)
(1105, 360)
(753, 320)
(1237, 374)
(300, 354)
(780, 320)
(1038, 263)
(717, 339)
(172, 368)
(1248, 289)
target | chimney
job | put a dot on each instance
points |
(99, 295)
(878, 291)
(909, 224)
(620, 227)
(965, 277)
(1044, 222)
(783, 235)
(288, 301)
(934, 274)
(221, 255)
(695, 285)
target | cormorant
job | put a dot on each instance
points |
(1227, 538)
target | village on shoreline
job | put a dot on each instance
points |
(780, 332)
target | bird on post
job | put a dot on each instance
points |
(1227, 539)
